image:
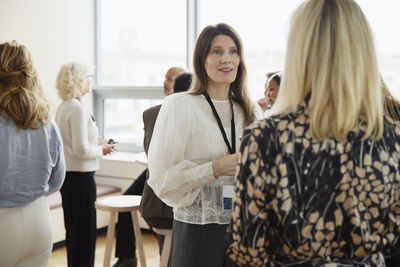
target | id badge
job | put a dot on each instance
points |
(227, 196)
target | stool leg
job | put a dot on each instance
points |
(166, 250)
(110, 239)
(138, 236)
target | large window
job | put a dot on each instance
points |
(139, 40)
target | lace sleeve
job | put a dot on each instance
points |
(175, 179)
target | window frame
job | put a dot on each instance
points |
(101, 93)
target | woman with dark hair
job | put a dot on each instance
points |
(272, 88)
(192, 155)
(32, 162)
(263, 102)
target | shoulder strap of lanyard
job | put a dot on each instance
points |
(232, 148)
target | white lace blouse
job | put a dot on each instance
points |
(185, 141)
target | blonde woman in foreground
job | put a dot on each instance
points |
(318, 180)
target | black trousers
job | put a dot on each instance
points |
(78, 196)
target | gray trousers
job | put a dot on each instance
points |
(199, 246)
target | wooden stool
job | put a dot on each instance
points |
(167, 233)
(115, 204)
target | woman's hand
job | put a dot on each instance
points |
(108, 146)
(225, 165)
(263, 104)
(107, 149)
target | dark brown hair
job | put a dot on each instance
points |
(238, 88)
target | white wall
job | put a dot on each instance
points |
(55, 32)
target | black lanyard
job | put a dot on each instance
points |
(232, 148)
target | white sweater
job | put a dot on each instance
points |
(80, 136)
(185, 141)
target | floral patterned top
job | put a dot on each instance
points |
(304, 202)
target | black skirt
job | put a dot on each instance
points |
(199, 245)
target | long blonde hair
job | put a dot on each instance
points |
(21, 96)
(331, 55)
(200, 79)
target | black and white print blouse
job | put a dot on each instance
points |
(300, 201)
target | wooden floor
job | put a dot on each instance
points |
(59, 256)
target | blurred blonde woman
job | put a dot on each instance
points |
(318, 180)
(82, 153)
(32, 162)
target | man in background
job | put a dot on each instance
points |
(170, 79)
